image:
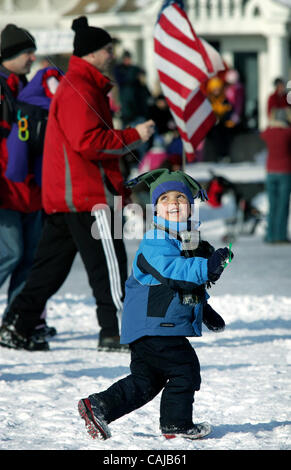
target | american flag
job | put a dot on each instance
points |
(184, 62)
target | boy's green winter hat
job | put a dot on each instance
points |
(162, 180)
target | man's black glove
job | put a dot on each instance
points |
(215, 263)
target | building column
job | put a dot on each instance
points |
(264, 88)
(149, 57)
(278, 57)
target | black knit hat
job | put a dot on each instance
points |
(88, 38)
(14, 41)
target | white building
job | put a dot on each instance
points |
(254, 36)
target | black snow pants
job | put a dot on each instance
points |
(157, 363)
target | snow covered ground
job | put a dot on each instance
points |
(245, 392)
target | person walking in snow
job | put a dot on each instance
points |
(25, 145)
(20, 201)
(80, 178)
(277, 138)
(165, 302)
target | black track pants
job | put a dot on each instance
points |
(105, 261)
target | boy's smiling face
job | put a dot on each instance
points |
(173, 206)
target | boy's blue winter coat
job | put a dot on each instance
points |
(152, 303)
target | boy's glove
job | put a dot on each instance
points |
(212, 319)
(215, 263)
(204, 249)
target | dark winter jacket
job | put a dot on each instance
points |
(153, 304)
(21, 196)
(25, 154)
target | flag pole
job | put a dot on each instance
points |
(183, 159)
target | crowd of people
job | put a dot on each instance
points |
(134, 102)
(68, 175)
(63, 161)
(45, 207)
(226, 94)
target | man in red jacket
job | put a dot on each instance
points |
(20, 203)
(81, 177)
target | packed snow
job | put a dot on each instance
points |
(245, 392)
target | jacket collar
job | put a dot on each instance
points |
(14, 81)
(83, 68)
(170, 227)
(4, 72)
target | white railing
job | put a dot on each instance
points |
(225, 9)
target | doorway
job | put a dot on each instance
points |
(246, 63)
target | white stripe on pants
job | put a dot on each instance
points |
(110, 255)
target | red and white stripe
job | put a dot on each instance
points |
(183, 63)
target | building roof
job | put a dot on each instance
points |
(107, 6)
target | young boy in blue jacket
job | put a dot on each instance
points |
(165, 302)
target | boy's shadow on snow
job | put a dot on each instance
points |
(218, 432)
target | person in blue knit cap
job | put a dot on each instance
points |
(165, 302)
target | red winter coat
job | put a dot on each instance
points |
(278, 141)
(23, 197)
(81, 147)
(277, 101)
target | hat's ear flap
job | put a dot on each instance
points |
(200, 192)
(147, 178)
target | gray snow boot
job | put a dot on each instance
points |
(198, 431)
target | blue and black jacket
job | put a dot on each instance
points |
(153, 305)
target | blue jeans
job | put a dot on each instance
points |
(278, 186)
(19, 236)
